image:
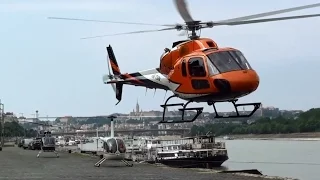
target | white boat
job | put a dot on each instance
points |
(134, 144)
(227, 138)
(200, 151)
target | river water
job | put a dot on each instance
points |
(285, 158)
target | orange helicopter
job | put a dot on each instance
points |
(197, 69)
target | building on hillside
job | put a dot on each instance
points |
(81, 119)
(290, 113)
(137, 111)
(139, 114)
(267, 111)
(162, 126)
(65, 119)
(10, 117)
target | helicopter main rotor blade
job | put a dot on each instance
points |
(115, 22)
(265, 20)
(182, 8)
(133, 32)
(270, 13)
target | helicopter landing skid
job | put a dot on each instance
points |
(256, 106)
(97, 164)
(41, 151)
(183, 109)
(200, 109)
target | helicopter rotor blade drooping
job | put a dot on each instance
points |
(103, 21)
(233, 23)
(270, 13)
(191, 25)
(133, 32)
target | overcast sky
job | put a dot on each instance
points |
(45, 65)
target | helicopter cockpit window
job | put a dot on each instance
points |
(196, 67)
(224, 61)
(106, 147)
(49, 141)
(121, 146)
(212, 70)
(184, 68)
(240, 59)
(112, 145)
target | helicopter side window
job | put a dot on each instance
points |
(184, 68)
(196, 67)
(121, 146)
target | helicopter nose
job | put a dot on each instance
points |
(238, 81)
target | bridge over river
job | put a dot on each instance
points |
(181, 131)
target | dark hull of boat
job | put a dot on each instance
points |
(193, 162)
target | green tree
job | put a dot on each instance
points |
(308, 121)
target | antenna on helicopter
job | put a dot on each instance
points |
(193, 26)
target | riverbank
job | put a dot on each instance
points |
(292, 136)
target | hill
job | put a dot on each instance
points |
(308, 121)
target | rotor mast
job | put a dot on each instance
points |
(193, 26)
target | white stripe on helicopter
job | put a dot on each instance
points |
(163, 80)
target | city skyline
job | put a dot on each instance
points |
(131, 113)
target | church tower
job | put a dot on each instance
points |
(137, 107)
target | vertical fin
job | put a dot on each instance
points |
(116, 71)
(113, 61)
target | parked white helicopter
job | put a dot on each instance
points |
(114, 148)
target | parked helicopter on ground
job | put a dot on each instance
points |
(47, 142)
(114, 147)
(197, 70)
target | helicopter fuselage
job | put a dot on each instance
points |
(197, 70)
(114, 148)
(208, 73)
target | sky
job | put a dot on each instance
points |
(45, 66)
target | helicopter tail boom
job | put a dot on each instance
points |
(151, 78)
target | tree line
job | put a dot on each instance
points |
(308, 121)
(14, 129)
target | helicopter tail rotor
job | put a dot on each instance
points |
(117, 87)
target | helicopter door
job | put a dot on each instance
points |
(198, 73)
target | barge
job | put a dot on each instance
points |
(191, 152)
